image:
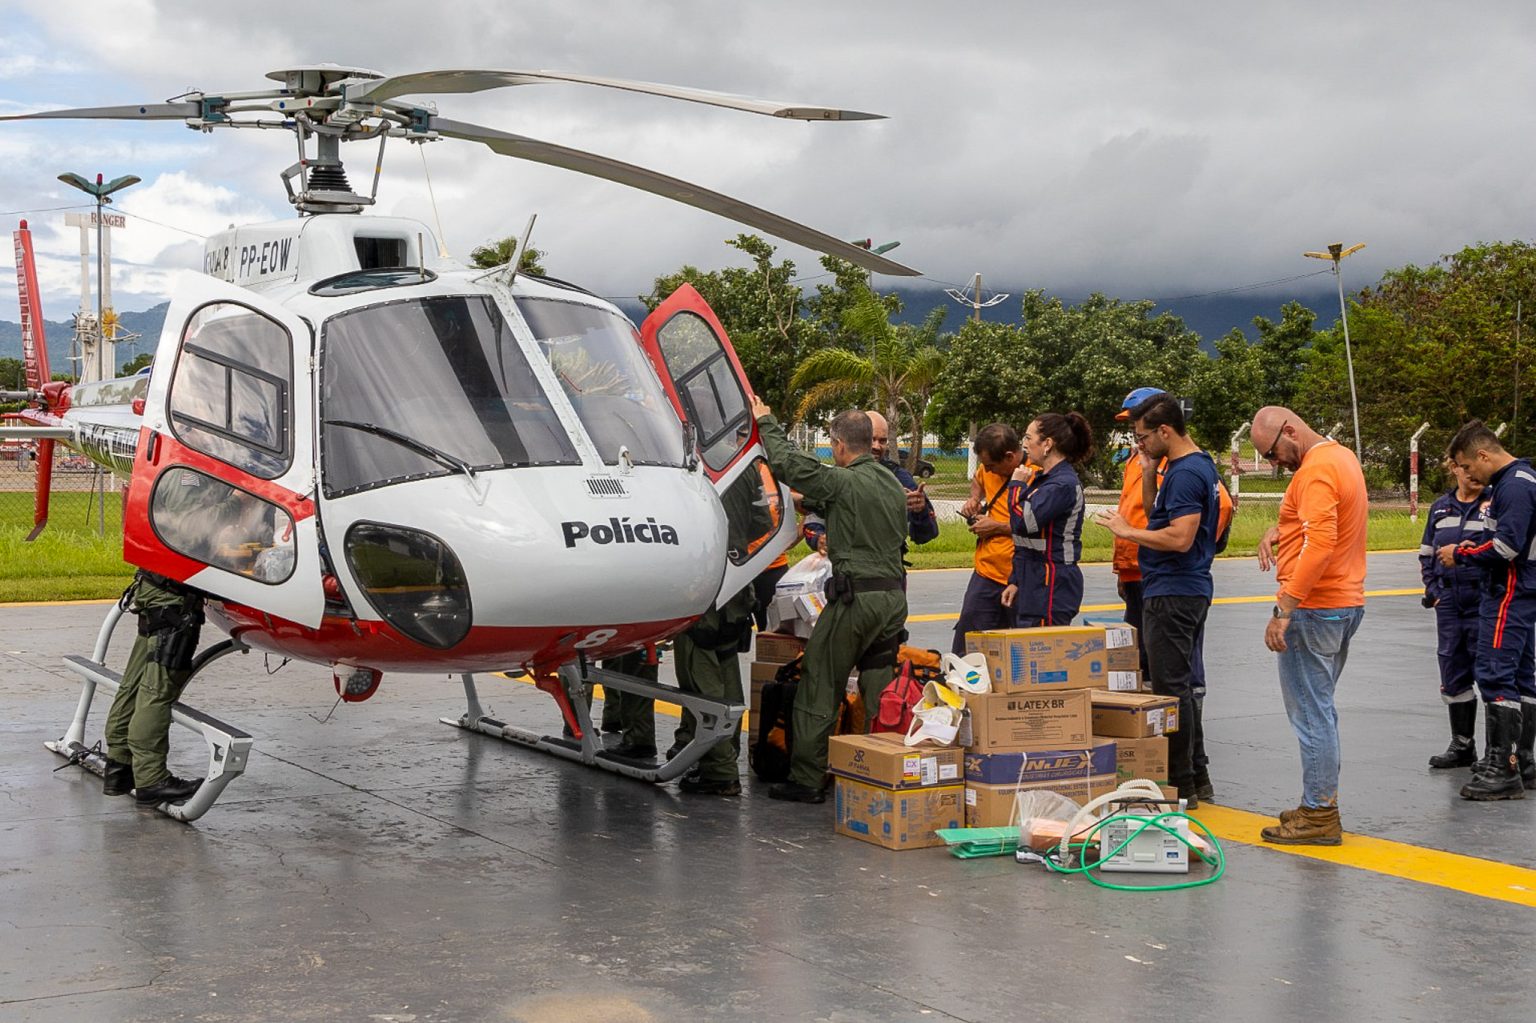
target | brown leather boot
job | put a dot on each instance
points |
(1307, 825)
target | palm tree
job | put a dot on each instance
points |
(897, 375)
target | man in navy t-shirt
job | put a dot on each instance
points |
(1177, 548)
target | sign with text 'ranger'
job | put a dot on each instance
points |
(617, 530)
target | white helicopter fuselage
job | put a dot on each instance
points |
(451, 473)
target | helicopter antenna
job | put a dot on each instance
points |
(442, 246)
(517, 257)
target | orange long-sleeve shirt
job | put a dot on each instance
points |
(1322, 530)
(994, 555)
(1131, 509)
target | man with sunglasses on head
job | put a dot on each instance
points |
(1318, 552)
(1175, 551)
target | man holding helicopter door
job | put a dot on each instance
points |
(864, 620)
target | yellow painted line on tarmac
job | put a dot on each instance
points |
(55, 603)
(1484, 878)
(1264, 598)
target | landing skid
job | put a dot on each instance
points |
(717, 722)
(228, 747)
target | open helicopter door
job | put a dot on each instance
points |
(706, 384)
(222, 492)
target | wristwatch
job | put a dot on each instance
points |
(1277, 613)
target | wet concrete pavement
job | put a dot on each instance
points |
(381, 866)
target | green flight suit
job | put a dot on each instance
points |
(707, 655)
(866, 513)
(708, 662)
(636, 714)
(138, 729)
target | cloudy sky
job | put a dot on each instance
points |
(1147, 149)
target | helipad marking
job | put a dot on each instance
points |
(1266, 598)
(1488, 879)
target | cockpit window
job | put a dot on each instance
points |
(597, 356)
(427, 387)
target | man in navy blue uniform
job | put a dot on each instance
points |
(1456, 595)
(1507, 613)
(1177, 548)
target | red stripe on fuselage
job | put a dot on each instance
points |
(374, 644)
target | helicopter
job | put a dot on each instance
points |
(371, 457)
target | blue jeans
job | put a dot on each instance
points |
(1316, 647)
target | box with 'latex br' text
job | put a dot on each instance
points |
(1010, 721)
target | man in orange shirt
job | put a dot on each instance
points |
(1318, 550)
(999, 452)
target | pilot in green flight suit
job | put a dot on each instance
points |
(864, 620)
(707, 657)
(139, 723)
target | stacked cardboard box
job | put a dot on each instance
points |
(1140, 723)
(1035, 729)
(892, 795)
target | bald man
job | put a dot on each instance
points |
(1318, 552)
(922, 523)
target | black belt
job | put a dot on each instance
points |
(843, 588)
(877, 585)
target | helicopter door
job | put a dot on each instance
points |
(222, 492)
(705, 382)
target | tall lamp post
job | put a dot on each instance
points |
(1335, 255)
(102, 193)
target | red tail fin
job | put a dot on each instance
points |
(34, 346)
(44, 470)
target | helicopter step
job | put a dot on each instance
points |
(228, 747)
(716, 722)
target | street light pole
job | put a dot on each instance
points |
(1335, 254)
(101, 192)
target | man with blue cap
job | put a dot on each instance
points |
(1128, 573)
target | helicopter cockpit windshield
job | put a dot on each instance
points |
(443, 387)
(597, 357)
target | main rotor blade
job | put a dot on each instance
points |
(524, 148)
(147, 112)
(471, 80)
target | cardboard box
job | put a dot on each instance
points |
(1060, 657)
(1134, 715)
(1008, 721)
(1122, 648)
(1042, 765)
(897, 819)
(882, 759)
(777, 648)
(1142, 758)
(991, 806)
(1124, 681)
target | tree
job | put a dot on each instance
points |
(500, 254)
(895, 367)
(988, 376)
(1435, 344)
(1282, 350)
(1225, 390)
(761, 309)
(137, 363)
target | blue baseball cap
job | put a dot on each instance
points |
(1135, 398)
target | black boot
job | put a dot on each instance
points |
(171, 790)
(1462, 752)
(796, 793)
(1524, 752)
(117, 779)
(1502, 780)
(1485, 762)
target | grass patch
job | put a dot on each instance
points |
(955, 547)
(69, 560)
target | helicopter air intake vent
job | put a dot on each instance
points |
(605, 486)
